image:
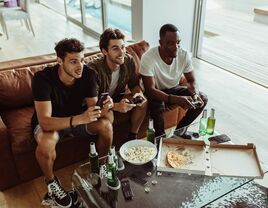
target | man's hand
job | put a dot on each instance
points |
(143, 98)
(123, 106)
(91, 114)
(107, 105)
(184, 101)
(196, 97)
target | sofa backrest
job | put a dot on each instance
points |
(15, 83)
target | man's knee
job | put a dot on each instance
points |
(46, 142)
(156, 107)
(105, 126)
(204, 97)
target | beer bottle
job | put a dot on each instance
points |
(150, 132)
(203, 123)
(211, 122)
(94, 159)
(112, 180)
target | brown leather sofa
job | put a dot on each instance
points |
(17, 146)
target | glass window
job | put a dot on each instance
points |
(57, 5)
(234, 37)
(93, 14)
(118, 14)
(74, 9)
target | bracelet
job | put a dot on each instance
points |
(71, 122)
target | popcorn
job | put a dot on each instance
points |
(139, 154)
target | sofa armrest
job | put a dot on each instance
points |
(8, 173)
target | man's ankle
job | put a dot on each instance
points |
(50, 180)
(180, 131)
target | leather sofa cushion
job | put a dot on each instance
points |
(15, 87)
(18, 123)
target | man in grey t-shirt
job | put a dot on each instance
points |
(161, 70)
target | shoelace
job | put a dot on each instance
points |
(58, 190)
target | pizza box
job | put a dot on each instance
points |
(211, 159)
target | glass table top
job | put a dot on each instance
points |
(170, 190)
(162, 189)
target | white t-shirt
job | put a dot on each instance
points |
(114, 82)
(166, 76)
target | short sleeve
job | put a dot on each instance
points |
(41, 87)
(147, 65)
(188, 67)
(91, 83)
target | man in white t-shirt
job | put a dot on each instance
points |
(161, 70)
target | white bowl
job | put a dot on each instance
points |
(137, 143)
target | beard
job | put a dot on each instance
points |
(119, 60)
(75, 74)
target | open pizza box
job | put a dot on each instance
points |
(212, 160)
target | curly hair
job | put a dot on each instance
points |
(110, 34)
(68, 45)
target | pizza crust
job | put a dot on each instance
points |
(177, 160)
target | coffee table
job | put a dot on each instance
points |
(164, 190)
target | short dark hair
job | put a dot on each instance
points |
(68, 45)
(110, 34)
(167, 28)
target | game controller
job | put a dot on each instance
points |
(102, 98)
(137, 100)
(196, 103)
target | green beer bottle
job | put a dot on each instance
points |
(211, 122)
(112, 180)
(94, 159)
(150, 132)
(203, 124)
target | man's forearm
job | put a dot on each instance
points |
(59, 123)
(158, 95)
(193, 88)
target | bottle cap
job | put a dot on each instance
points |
(113, 150)
(92, 148)
(204, 113)
(151, 123)
(212, 112)
(110, 159)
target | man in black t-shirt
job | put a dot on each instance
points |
(59, 93)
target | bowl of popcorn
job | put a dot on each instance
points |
(138, 152)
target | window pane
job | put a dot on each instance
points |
(74, 9)
(57, 5)
(119, 16)
(93, 13)
(235, 38)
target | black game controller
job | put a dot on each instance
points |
(137, 100)
(196, 103)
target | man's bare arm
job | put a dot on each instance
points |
(151, 91)
(49, 123)
(156, 94)
(191, 82)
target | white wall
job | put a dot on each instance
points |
(149, 15)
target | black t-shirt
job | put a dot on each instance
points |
(66, 100)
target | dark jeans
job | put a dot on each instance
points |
(157, 108)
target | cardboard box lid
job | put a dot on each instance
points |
(213, 159)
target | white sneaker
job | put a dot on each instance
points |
(58, 194)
